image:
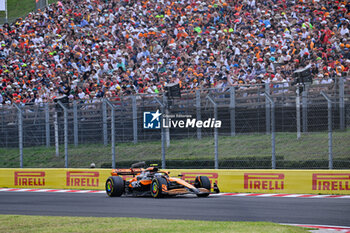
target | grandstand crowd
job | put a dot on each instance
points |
(88, 49)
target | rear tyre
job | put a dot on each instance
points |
(202, 182)
(157, 186)
(114, 186)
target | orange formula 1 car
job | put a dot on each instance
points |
(154, 182)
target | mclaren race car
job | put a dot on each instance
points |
(154, 182)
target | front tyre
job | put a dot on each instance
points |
(158, 185)
(114, 186)
(202, 182)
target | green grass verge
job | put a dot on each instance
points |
(313, 146)
(18, 223)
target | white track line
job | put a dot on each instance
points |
(219, 194)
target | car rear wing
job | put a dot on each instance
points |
(126, 171)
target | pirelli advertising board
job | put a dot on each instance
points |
(53, 178)
(247, 181)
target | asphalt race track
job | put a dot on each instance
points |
(322, 211)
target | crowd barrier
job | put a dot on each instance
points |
(247, 181)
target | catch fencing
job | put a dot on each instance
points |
(262, 126)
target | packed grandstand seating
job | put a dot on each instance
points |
(88, 49)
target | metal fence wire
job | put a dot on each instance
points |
(262, 126)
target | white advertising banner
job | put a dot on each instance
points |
(2, 5)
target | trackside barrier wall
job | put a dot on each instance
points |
(254, 181)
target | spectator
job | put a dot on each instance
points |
(92, 49)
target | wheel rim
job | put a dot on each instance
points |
(109, 186)
(155, 189)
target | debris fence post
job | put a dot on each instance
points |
(47, 124)
(198, 113)
(216, 152)
(304, 94)
(341, 104)
(267, 109)
(162, 132)
(20, 134)
(166, 111)
(273, 129)
(65, 117)
(330, 130)
(233, 111)
(55, 124)
(297, 101)
(134, 118)
(112, 132)
(104, 123)
(75, 123)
